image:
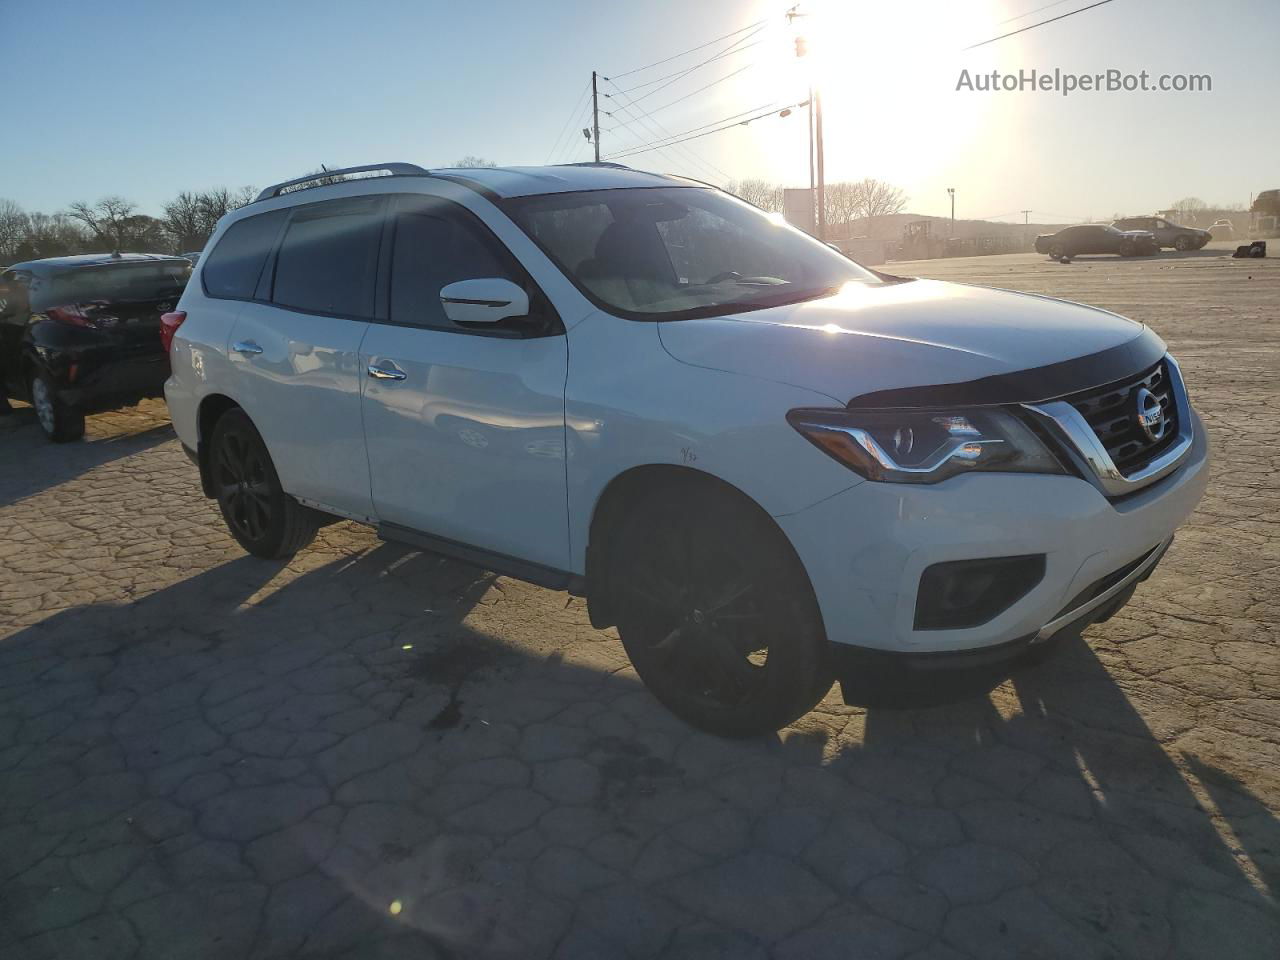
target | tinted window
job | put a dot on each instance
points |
(232, 269)
(328, 257)
(121, 282)
(435, 247)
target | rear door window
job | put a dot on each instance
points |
(328, 259)
(231, 271)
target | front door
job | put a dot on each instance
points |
(464, 427)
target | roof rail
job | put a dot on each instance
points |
(597, 163)
(394, 169)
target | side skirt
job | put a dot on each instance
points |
(499, 563)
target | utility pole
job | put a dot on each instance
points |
(822, 176)
(812, 181)
(595, 116)
(1026, 217)
(952, 192)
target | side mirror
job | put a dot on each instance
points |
(486, 300)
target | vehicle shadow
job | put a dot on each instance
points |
(1162, 255)
(394, 754)
(29, 463)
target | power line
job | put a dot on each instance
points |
(684, 70)
(584, 120)
(766, 107)
(572, 113)
(1013, 33)
(1056, 3)
(696, 66)
(670, 159)
(696, 136)
(693, 93)
(664, 133)
(685, 53)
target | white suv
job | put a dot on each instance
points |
(756, 458)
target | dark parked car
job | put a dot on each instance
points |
(1166, 232)
(1096, 238)
(79, 334)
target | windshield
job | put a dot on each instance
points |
(121, 281)
(678, 252)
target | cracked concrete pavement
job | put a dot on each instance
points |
(371, 752)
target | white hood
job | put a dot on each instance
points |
(870, 338)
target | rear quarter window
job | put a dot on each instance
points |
(231, 271)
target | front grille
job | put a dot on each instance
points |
(1112, 413)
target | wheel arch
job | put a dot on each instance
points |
(629, 488)
(211, 408)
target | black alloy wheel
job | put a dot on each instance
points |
(264, 519)
(717, 616)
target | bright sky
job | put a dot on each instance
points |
(144, 99)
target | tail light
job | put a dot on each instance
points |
(169, 324)
(71, 314)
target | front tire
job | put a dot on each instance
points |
(1183, 243)
(717, 614)
(1057, 251)
(60, 422)
(264, 519)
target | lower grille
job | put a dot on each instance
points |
(1112, 413)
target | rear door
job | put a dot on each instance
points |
(295, 350)
(465, 426)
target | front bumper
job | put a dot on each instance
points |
(866, 549)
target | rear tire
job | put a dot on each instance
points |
(717, 614)
(60, 422)
(264, 519)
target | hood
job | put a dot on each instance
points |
(888, 337)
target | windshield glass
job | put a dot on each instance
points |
(678, 252)
(121, 281)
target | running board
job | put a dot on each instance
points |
(499, 563)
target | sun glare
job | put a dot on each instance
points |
(882, 69)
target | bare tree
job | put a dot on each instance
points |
(105, 219)
(52, 235)
(191, 216)
(13, 228)
(761, 193)
(879, 198)
(1188, 207)
(472, 161)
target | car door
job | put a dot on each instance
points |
(464, 427)
(295, 350)
(1163, 231)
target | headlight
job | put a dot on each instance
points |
(925, 446)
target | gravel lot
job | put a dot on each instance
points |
(375, 753)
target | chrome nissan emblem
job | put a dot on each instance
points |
(1150, 415)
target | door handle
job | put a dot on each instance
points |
(386, 371)
(246, 347)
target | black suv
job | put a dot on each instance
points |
(1166, 232)
(79, 334)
